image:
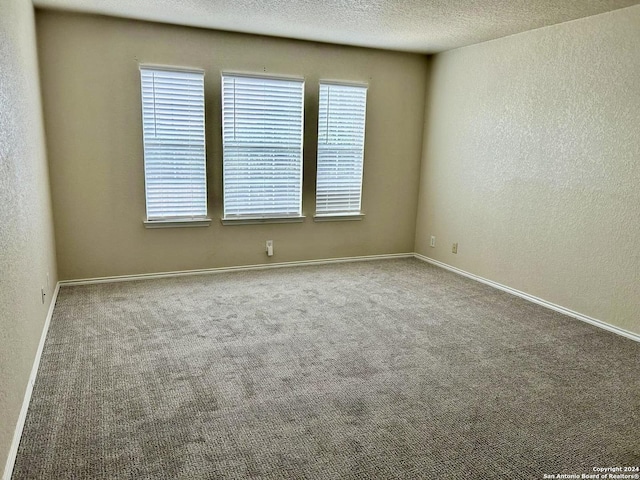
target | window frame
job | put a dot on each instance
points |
(188, 220)
(342, 215)
(256, 218)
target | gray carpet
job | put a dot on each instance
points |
(390, 369)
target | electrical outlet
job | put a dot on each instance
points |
(454, 249)
(433, 241)
(269, 248)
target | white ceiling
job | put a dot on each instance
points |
(425, 26)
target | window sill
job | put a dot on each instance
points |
(187, 222)
(259, 220)
(338, 217)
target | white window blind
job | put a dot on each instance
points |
(341, 122)
(174, 143)
(262, 124)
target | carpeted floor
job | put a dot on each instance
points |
(389, 369)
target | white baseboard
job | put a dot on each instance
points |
(205, 271)
(13, 451)
(534, 299)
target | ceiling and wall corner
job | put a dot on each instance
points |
(407, 25)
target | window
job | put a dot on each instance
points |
(341, 121)
(262, 124)
(174, 145)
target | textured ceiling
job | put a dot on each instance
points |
(425, 26)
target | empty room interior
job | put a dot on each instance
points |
(343, 239)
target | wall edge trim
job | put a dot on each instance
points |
(17, 435)
(532, 298)
(208, 271)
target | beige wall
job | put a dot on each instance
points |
(91, 92)
(27, 249)
(532, 163)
